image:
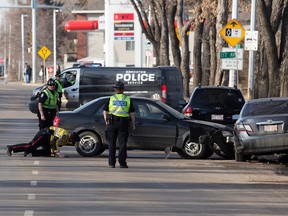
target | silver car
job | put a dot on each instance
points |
(262, 128)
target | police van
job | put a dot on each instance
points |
(162, 83)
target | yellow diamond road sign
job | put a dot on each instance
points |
(44, 52)
(233, 33)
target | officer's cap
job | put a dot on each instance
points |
(51, 82)
(119, 85)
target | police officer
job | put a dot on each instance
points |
(118, 112)
(58, 88)
(47, 106)
(73, 80)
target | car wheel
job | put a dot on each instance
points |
(89, 144)
(193, 150)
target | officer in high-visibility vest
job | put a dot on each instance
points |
(118, 113)
(58, 89)
(73, 80)
(49, 139)
(47, 106)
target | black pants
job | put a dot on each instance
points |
(119, 129)
(39, 140)
(49, 115)
(59, 101)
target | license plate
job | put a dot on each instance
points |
(270, 128)
(217, 117)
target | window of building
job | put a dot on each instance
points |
(130, 45)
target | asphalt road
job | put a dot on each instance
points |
(152, 185)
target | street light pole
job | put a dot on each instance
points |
(34, 45)
(22, 34)
(54, 37)
(233, 73)
(252, 53)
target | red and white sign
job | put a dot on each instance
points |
(126, 16)
(50, 72)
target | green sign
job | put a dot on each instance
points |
(227, 54)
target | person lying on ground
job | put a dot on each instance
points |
(45, 143)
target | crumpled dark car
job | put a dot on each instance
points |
(158, 127)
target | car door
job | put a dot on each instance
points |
(152, 132)
(70, 98)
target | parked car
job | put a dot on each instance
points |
(262, 128)
(220, 104)
(158, 126)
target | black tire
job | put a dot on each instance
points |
(226, 151)
(193, 150)
(89, 144)
(102, 149)
(218, 151)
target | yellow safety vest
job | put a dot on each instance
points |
(62, 135)
(59, 86)
(119, 105)
(51, 101)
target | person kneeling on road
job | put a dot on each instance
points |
(50, 139)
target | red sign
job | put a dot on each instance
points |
(126, 16)
(50, 70)
(124, 34)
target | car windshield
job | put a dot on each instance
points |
(208, 97)
(265, 108)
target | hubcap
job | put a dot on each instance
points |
(87, 144)
(192, 148)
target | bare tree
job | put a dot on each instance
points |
(272, 56)
(155, 27)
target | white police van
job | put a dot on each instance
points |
(162, 83)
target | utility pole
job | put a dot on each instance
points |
(252, 53)
(233, 73)
(34, 43)
(54, 38)
(22, 37)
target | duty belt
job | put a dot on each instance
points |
(118, 118)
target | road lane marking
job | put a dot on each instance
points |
(35, 172)
(33, 183)
(31, 196)
(28, 213)
(36, 163)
